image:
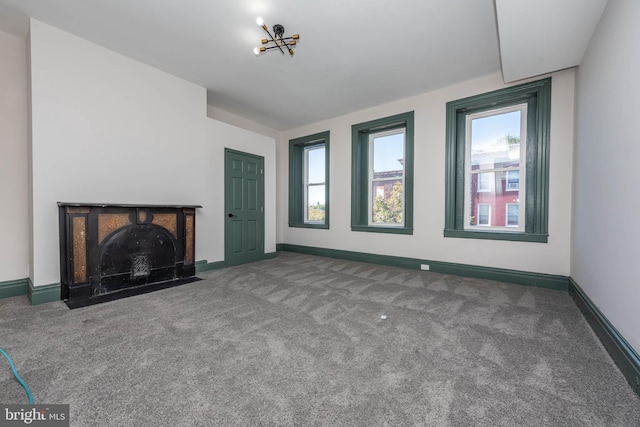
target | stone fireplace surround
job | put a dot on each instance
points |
(110, 251)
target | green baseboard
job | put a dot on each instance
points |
(37, 294)
(270, 255)
(44, 294)
(518, 277)
(203, 265)
(14, 288)
(621, 352)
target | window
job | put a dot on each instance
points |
(386, 177)
(484, 214)
(309, 181)
(314, 184)
(512, 213)
(513, 180)
(484, 182)
(495, 143)
(497, 160)
(382, 175)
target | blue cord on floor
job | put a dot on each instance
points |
(15, 374)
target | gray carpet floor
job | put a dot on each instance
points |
(299, 340)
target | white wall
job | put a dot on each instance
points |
(106, 128)
(14, 180)
(427, 241)
(226, 117)
(606, 204)
(220, 136)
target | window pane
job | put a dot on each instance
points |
(315, 164)
(493, 178)
(388, 155)
(315, 189)
(500, 200)
(387, 202)
(495, 141)
(387, 178)
(513, 180)
(513, 214)
(484, 214)
(316, 203)
(484, 181)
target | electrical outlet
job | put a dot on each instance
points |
(424, 267)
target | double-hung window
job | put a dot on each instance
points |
(386, 178)
(498, 164)
(484, 214)
(495, 147)
(309, 181)
(382, 175)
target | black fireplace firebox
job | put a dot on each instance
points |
(112, 251)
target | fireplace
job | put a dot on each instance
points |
(112, 251)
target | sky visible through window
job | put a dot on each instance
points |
(316, 158)
(487, 131)
(316, 165)
(387, 151)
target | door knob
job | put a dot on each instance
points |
(230, 215)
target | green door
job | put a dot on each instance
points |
(244, 208)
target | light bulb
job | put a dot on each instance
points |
(260, 21)
(256, 51)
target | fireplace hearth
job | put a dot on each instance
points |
(112, 251)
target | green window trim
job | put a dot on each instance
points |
(538, 96)
(297, 148)
(360, 170)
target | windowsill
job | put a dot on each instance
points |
(309, 225)
(497, 235)
(379, 229)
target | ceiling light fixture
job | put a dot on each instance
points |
(277, 40)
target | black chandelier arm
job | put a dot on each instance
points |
(272, 47)
(292, 38)
(283, 41)
(292, 42)
(288, 47)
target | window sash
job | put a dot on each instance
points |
(469, 173)
(509, 215)
(372, 180)
(483, 173)
(509, 181)
(481, 215)
(307, 184)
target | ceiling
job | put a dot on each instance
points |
(351, 54)
(540, 36)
